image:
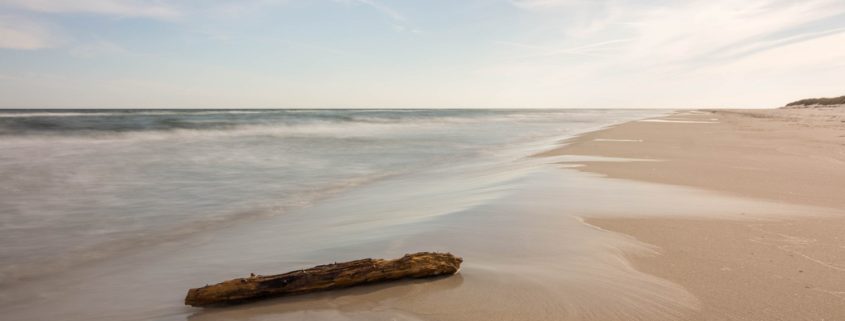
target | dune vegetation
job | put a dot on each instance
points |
(818, 101)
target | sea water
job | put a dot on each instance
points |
(89, 195)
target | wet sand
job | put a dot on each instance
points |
(519, 224)
(785, 268)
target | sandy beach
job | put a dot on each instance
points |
(628, 215)
(594, 160)
(786, 268)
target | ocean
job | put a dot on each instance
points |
(113, 214)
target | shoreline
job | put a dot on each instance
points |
(519, 223)
(781, 268)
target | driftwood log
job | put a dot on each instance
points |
(324, 277)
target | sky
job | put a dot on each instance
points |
(419, 53)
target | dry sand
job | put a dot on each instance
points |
(784, 269)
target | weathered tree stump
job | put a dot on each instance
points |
(324, 277)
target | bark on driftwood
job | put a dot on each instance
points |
(325, 277)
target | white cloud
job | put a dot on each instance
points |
(665, 53)
(789, 59)
(539, 4)
(239, 8)
(597, 49)
(547, 53)
(378, 6)
(126, 8)
(22, 26)
(25, 34)
(400, 23)
(97, 49)
(385, 10)
(704, 29)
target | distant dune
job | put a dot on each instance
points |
(818, 102)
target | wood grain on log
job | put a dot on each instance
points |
(325, 277)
